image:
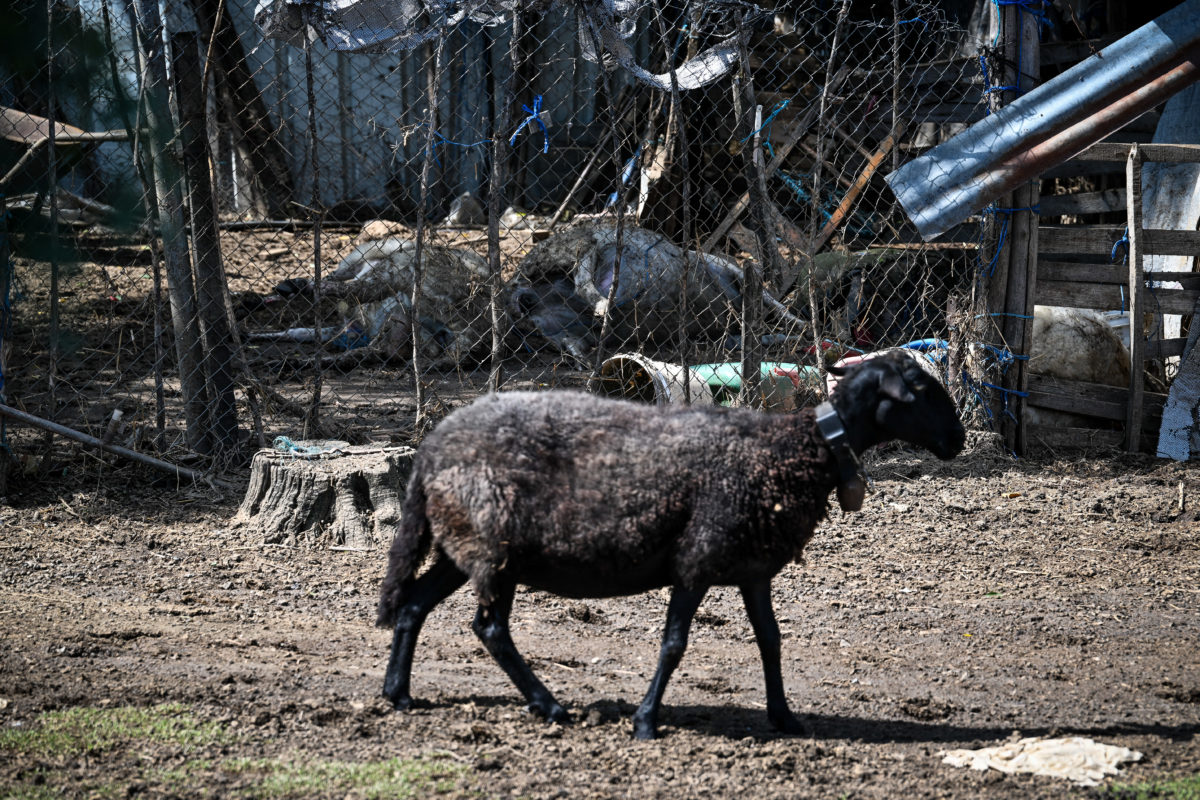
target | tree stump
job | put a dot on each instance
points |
(323, 493)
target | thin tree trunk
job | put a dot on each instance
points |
(431, 123)
(243, 107)
(210, 275)
(167, 179)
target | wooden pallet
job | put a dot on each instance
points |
(1100, 284)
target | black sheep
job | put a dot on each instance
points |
(590, 497)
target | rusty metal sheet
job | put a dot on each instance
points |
(1051, 123)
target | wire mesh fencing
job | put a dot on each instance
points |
(313, 226)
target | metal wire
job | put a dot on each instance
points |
(353, 192)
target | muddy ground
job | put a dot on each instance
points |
(967, 603)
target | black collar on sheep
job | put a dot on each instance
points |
(851, 487)
(894, 397)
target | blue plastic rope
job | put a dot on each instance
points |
(857, 223)
(1003, 356)
(1035, 8)
(924, 24)
(286, 445)
(444, 140)
(535, 115)
(1004, 391)
(991, 267)
(987, 81)
(999, 210)
(1006, 213)
(1122, 243)
(767, 122)
(626, 174)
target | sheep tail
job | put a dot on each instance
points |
(407, 552)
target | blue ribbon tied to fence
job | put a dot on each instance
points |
(535, 115)
(1121, 244)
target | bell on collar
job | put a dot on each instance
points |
(850, 493)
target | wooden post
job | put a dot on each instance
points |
(1021, 300)
(753, 280)
(1020, 32)
(497, 191)
(6, 273)
(1137, 338)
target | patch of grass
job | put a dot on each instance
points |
(79, 731)
(108, 735)
(393, 778)
(30, 793)
(1187, 788)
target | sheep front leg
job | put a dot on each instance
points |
(757, 597)
(491, 626)
(682, 608)
(438, 583)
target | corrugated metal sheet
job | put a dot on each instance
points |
(1052, 123)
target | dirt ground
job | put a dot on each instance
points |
(967, 603)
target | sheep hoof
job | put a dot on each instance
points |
(551, 712)
(788, 723)
(644, 730)
(404, 703)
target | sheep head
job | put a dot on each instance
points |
(894, 397)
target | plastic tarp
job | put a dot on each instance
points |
(384, 26)
(1171, 200)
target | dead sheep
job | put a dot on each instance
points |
(1076, 344)
(588, 497)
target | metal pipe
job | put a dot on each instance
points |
(1052, 123)
(92, 441)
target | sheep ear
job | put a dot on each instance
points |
(839, 372)
(894, 387)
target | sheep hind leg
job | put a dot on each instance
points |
(438, 583)
(491, 626)
(757, 597)
(680, 611)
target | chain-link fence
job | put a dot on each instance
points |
(232, 237)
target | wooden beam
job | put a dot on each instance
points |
(1100, 239)
(1017, 322)
(797, 132)
(852, 194)
(1158, 242)
(1083, 397)
(1066, 271)
(1166, 348)
(1108, 273)
(1137, 338)
(1078, 169)
(1112, 297)
(1069, 53)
